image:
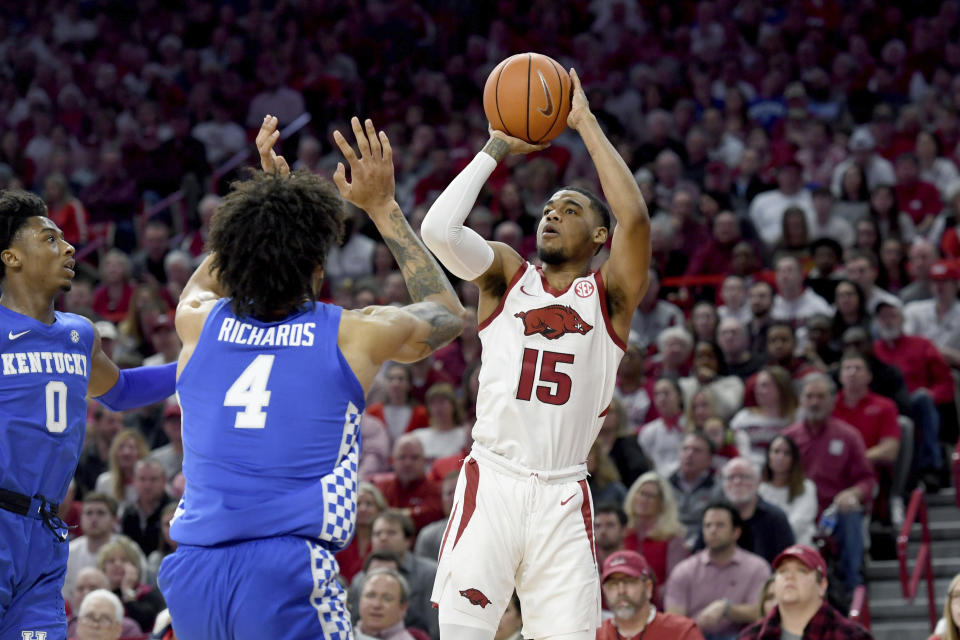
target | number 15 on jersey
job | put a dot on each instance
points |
(556, 385)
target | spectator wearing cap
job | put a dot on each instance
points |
(794, 303)
(938, 319)
(766, 210)
(921, 257)
(140, 521)
(170, 455)
(833, 456)
(825, 224)
(875, 168)
(628, 586)
(718, 587)
(862, 268)
(921, 200)
(928, 379)
(802, 611)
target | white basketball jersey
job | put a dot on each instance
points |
(550, 363)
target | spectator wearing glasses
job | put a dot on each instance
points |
(100, 616)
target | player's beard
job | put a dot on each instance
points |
(551, 256)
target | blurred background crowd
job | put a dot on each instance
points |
(799, 159)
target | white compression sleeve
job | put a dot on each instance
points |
(461, 250)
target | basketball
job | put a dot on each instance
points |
(527, 96)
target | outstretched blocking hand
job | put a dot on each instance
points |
(372, 183)
(266, 138)
(580, 108)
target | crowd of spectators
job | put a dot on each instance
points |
(799, 159)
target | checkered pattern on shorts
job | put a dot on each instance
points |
(340, 486)
(328, 597)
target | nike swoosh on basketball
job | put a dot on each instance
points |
(548, 110)
(14, 336)
(564, 502)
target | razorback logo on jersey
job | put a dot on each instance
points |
(552, 321)
(476, 597)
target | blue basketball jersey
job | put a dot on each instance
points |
(43, 407)
(271, 430)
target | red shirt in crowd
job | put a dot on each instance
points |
(114, 311)
(921, 364)
(665, 626)
(421, 497)
(834, 458)
(875, 417)
(919, 200)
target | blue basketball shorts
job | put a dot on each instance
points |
(283, 588)
(32, 568)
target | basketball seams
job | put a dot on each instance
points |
(529, 79)
(496, 98)
(559, 107)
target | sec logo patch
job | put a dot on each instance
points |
(584, 289)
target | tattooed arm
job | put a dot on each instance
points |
(376, 334)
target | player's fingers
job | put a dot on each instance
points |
(265, 130)
(574, 78)
(372, 139)
(345, 147)
(340, 178)
(387, 149)
(362, 143)
(282, 166)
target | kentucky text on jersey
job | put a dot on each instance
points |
(44, 362)
(298, 334)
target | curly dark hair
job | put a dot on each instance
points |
(269, 235)
(16, 207)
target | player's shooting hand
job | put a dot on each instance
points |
(266, 138)
(372, 185)
(515, 145)
(580, 109)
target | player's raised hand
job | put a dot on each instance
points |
(580, 108)
(372, 183)
(266, 138)
(514, 145)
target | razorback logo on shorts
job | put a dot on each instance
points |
(552, 321)
(476, 597)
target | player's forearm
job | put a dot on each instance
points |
(424, 278)
(461, 250)
(619, 186)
